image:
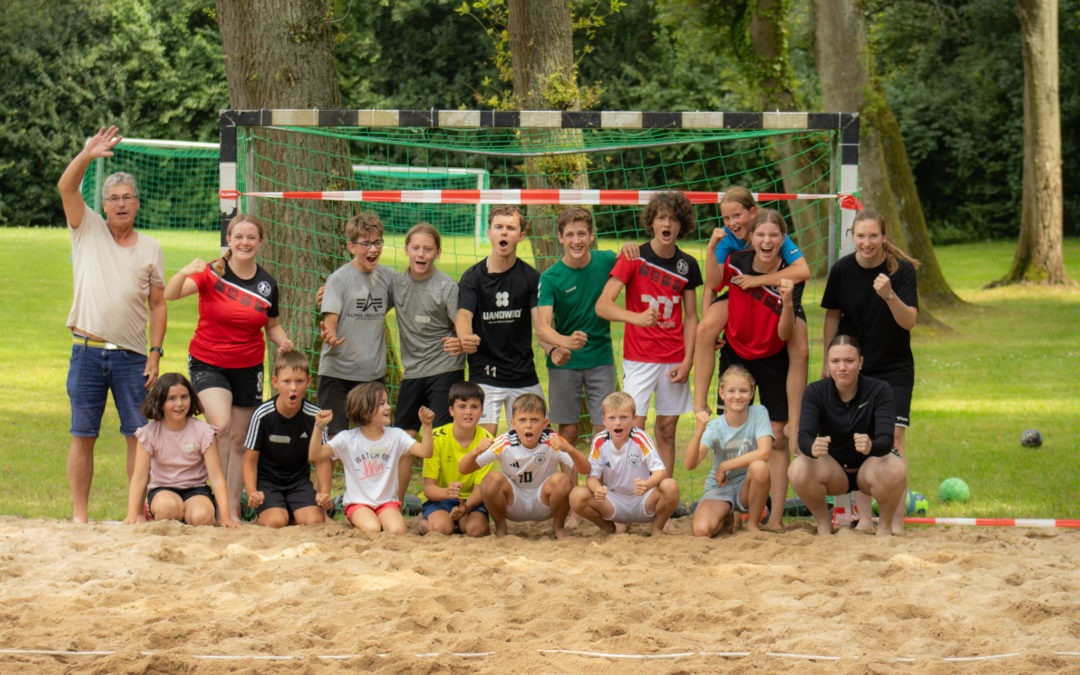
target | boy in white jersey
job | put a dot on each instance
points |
(628, 482)
(530, 485)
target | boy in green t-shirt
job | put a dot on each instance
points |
(450, 503)
(581, 358)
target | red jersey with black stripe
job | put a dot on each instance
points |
(232, 315)
(652, 281)
(754, 315)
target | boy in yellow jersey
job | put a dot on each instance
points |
(450, 501)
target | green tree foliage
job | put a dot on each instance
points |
(415, 54)
(154, 69)
(954, 76)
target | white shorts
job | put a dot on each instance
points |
(499, 398)
(641, 380)
(527, 505)
(630, 508)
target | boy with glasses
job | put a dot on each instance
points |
(358, 296)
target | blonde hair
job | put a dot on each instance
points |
(219, 264)
(529, 403)
(424, 228)
(739, 195)
(892, 251)
(736, 371)
(618, 400)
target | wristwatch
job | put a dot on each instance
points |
(159, 350)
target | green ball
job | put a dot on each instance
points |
(954, 490)
(917, 504)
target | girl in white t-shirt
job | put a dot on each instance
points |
(177, 453)
(369, 453)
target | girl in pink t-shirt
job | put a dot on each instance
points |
(177, 454)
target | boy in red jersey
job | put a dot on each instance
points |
(660, 317)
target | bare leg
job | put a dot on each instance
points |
(813, 480)
(217, 407)
(80, 470)
(712, 322)
(778, 477)
(234, 477)
(885, 478)
(498, 495)
(665, 499)
(571, 432)
(901, 509)
(756, 487)
(585, 505)
(556, 495)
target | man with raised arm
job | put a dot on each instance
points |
(119, 277)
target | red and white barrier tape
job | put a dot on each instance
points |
(997, 522)
(528, 196)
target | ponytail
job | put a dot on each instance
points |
(219, 264)
(891, 250)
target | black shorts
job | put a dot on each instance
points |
(432, 391)
(901, 397)
(331, 395)
(184, 493)
(293, 497)
(770, 373)
(246, 384)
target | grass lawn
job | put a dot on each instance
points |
(1006, 365)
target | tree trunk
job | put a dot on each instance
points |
(845, 66)
(1038, 249)
(280, 54)
(775, 90)
(542, 54)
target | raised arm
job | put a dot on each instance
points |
(581, 462)
(70, 183)
(181, 284)
(786, 327)
(695, 451)
(317, 450)
(905, 315)
(607, 308)
(426, 447)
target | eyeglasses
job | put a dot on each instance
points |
(112, 199)
(366, 245)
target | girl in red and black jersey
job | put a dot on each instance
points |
(238, 302)
(760, 322)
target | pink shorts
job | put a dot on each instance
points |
(351, 508)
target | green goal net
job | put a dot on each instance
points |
(306, 172)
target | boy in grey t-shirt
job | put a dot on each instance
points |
(358, 296)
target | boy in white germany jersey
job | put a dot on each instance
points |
(530, 485)
(628, 482)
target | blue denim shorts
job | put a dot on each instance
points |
(92, 373)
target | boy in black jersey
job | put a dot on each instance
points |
(496, 310)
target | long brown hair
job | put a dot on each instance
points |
(892, 251)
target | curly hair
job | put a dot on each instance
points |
(674, 203)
